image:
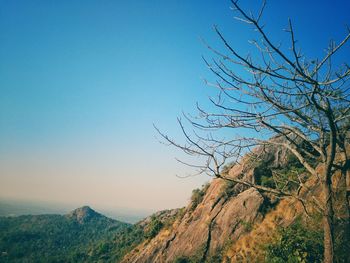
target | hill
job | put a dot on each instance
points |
(224, 222)
(228, 222)
(55, 238)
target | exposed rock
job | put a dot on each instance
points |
(215, 220)
(231, 218)
(163, 216)
(83, 214)
(226, 214)
(247, 247)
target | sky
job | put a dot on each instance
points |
(83, 82)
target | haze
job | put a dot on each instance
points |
(82, 83)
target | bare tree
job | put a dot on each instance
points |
(280, 94)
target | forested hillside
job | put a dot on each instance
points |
(57, 238)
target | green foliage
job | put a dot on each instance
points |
(216, 258)
(278, 177)
(197, 196)
(263, 175)
(192, 259)
(227, 168)
(197, 257)
(183, 259)
(113, 249)
(341, 233)
(154, 227)
(55, 238)
(180, 214)
(228, 190)
(296, 243)
(290, 173)
(248, 226)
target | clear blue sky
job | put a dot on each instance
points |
(81, 83)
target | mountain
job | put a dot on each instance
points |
(227, 222)
(224, 222)
(55, 238)
(85, 214)
(11, 207)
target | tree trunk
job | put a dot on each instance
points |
(342, 211)
(328, 222)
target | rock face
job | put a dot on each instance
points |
(232, 220)
(224, 221)
(163, 216)
(204, 230)
(83, 214)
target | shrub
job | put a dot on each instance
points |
(248, 226)
(263, 173)
(154, 227)
(182, 259)
(197, 196)
(296, 243)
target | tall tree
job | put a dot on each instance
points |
(280, 94)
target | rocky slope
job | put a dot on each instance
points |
(224, 222)
(229, 223)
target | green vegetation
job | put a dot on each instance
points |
(189, 259)
(56, 238)
(197, 196)
(285, 177)
(248, 226)
(153, 228)
(179, 215)
(229, 189)
(227, 167)
(217, 258)
(183, 259)
(113, 249)
(296, 243)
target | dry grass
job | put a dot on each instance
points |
(248, 248)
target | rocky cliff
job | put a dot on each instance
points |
(228, 222)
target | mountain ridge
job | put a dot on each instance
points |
(56, 238)
(223, 222)
(228, 222)
(84, 214)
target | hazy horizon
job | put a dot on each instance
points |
(18, 207)
(83, 82)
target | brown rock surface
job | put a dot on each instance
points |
(204, 230)
(231, 218)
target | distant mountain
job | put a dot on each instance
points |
(224, 222)
(85, 214)
(58, 238)
(11, 207)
